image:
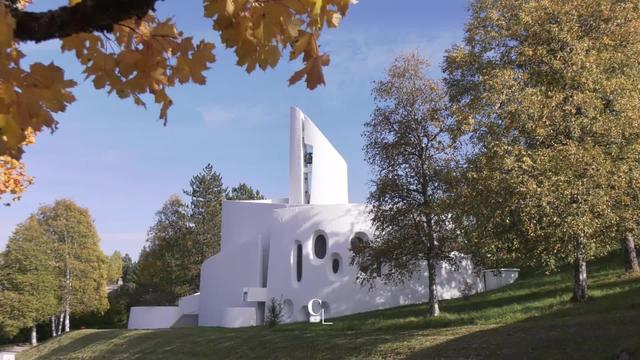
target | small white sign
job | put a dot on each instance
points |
(316, 317)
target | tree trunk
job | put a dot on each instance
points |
(434, 309)
(60, 323)
(631, 258)
(53, 327)
(580, 274)
(67, 325)
(34, 336)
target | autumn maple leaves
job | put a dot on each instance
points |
(143, 56)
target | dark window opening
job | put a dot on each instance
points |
(335, 266)
(320, 246)
(356, 243)
(299, 262)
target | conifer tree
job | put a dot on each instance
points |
(206, 192)
(244, 192)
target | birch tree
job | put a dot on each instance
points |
(412, 157)
(82, 264)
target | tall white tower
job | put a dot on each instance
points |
(317, 172)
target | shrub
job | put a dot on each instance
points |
(275, 309)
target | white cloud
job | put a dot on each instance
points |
(215, 115)
(364, 56)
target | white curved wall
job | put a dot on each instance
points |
(342, 295)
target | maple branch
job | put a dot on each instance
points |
(86, 16)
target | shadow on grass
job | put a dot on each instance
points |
(73, 342)
(529, 319)
(578, 332)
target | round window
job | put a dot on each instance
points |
(357, 242)
(320, 246)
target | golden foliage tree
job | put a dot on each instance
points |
(125, 49)
(407, 143)
(550, 94)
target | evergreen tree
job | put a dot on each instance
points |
(206, 192)
(127, 269)
(244, 192)
(29, 287)
(81, 263)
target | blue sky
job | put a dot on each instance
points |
(118, 160)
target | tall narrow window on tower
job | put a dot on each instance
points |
(308, 167)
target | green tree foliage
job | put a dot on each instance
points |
(244, 192)
(29, 279)
(166, 265)
(182, 238)
(549, 92)
(115, 267)
(206, 192)
(127, 269)
(412, 155)
(80, 261)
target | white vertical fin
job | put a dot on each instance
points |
(296, 166)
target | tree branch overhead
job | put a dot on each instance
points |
(86, 16)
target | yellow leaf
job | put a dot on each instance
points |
(301, 43)
(10, 132)
(229, 7)
(333, 19)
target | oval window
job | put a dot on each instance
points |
(299, 262)
(320, 246)
(335, 265)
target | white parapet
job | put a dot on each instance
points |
(497, 278)
(153, 317)
(189, 304)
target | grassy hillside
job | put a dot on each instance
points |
(532, 318)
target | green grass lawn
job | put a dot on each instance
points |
(532, 318)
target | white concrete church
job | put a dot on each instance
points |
(298, 249)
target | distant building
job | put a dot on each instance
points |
(298, 249)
